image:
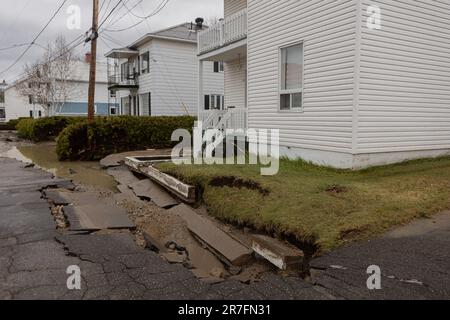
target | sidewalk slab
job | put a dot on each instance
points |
(228, 249)
(100, 216)
(151, 191)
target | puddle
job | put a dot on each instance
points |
(44, 156)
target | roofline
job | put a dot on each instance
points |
(151, 36)
(122, 50)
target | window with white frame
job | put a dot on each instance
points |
(291, 77)
(214, 102)
(218, 66)
(145, 62)
(2, 113)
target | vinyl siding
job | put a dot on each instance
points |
(235, 83)
(233, 6)
(173, 78)
(328, 32)
(404, 96)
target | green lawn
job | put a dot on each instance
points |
(320, 206)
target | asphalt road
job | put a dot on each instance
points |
(414, 261)
(34, 256)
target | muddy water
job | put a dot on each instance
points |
(44, 156)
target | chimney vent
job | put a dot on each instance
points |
(199, 23)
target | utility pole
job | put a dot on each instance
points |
(92, 73)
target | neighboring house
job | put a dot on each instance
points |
(2, 101)
(350, 83)
(17, 105)
(157, 75)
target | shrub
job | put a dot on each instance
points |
(83, 141)
(44, 129)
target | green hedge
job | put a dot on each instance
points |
(10, 125)
(44, 129)
(83, 141)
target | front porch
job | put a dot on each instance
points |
(225, 42)
(231, 119)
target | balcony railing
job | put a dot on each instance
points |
(126, 82)
(227, 31)
(235, 119)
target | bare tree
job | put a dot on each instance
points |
(46, 81)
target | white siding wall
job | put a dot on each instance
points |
(328, 30)
(173, 78)
(233, 6)
(404, 97)
(17, 106)
(235, 77)
(78, 92)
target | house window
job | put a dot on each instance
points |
(2, 97)
(146, 103)
(124, 71)
(218, 66)
(30, 99)
(40, 113)
(291, 77)
(214, 101)
(31, 113)
(113, 110)
(145, 62)
(2, 113)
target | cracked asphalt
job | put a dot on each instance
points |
(34, 256)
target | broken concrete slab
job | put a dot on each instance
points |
(276, 252)
(122, 175)
(99, 216)
(184, 191)
(149, 190)
(57, 197)
(225, 247)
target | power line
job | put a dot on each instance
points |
(122, 16)
(35, 38)
(162, 5)
(14, 46)
(110, 13)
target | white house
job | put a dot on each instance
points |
(2, 101)
(349, 83)
(157, 74)
(16, 105)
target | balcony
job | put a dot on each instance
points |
(230, 30)
(116, 82)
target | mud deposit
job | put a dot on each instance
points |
(44, 156)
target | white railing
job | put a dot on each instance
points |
(235, 119)
(227, 31)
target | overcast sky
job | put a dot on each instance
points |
(20, 23)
